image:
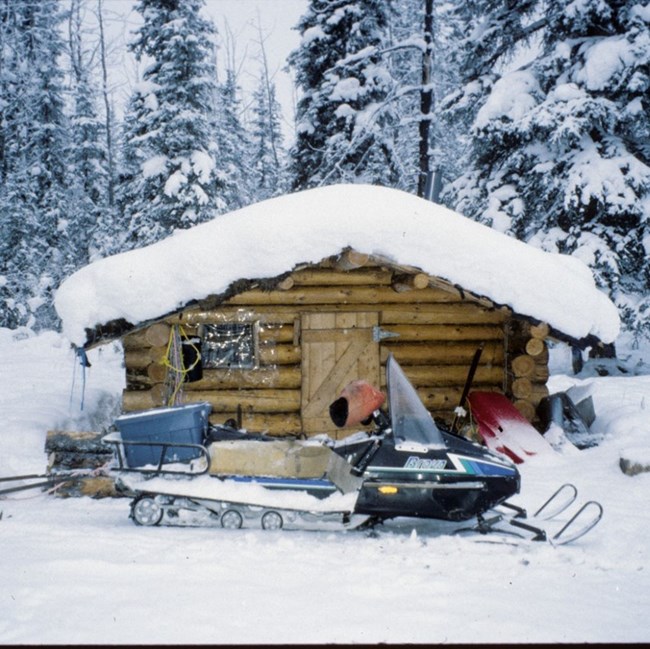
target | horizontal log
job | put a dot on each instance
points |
(328, 277)
(523, 365)
(440, 372)
(539, 392)
(138, 380)
(224, 314)
(445, 415)
(276, 333)
(522, 388)
(279, 354)
(278, 424)
(266, 401)
(410, 333)
(265, 377)
(143, 399)
(526, 408)
(257, 400)
(286, 313)
(142, 357)
(452, 289)
(528, 390)
(332, 295)
(157, 334)
(446, 309)
(137, 358)
(540, 330)
(417, 281)
(442, 353)
(452, 375)
(157, 372)
(286, 283)
(441, 313)
(528, 367)
(135, 340)
(443, 400)
(535, 347)
(350, 260)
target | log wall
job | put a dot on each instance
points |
(438, 330)
(527, 366)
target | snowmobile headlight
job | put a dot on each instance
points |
(388, 490)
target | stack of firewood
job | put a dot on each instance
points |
(85, 459)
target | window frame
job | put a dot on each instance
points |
(211, 330)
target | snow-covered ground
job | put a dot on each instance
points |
(78, 571)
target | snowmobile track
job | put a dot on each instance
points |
(150, 509)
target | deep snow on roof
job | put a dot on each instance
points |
(270, 238)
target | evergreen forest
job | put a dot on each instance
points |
(531, 116)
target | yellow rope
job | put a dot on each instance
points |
(178, 333)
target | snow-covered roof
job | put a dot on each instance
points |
(272, 237)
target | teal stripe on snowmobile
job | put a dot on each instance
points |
(475, 467)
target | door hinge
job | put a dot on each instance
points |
(379, 334)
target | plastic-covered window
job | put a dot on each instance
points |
(229, 345)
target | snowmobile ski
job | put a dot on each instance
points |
(578, 524)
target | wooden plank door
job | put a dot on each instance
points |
(336, 348)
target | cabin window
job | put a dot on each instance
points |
(231, 345)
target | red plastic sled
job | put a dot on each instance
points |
(504, 429)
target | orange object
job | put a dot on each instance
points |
(357, 402)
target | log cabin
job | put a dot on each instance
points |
(274, 357)
(272, 351)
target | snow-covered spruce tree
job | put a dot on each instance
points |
(34, 204)
(560, 154)
(342, 133)
(268, 154)
(171, 177)
(234, 147)
(488, 34)
(89, 177)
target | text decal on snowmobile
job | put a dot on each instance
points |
(424, 463)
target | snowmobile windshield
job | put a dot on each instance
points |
(413, 426)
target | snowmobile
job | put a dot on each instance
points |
(408, 465)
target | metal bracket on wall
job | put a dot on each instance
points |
(379, 334)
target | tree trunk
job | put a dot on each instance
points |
(426, 100)
(107, 107)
